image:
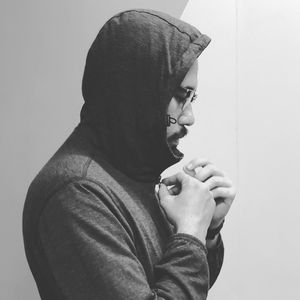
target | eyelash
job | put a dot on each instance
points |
(183, 100)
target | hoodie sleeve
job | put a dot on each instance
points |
(215, 259)
(91, 254)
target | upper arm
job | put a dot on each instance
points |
(89, 250)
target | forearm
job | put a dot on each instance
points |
(183, 271)
(91, 255)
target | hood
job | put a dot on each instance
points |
(132, 69)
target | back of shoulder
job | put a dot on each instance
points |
(66, 172)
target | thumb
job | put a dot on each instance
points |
(163, 192)
(174, 190)
(189, 172)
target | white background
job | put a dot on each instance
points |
(247, 123)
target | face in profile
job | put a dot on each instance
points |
(180, 111)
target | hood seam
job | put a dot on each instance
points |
(173, 25)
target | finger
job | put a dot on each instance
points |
(174, 190)
(189, 172)
(163, 192)
(176, 179)
(164, 201)
(195, 163)
(208, 171)
(217, 181)
(227, 194)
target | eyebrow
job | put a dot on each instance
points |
(187, 87)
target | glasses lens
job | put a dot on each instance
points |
(189, 98)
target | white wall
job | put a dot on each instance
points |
(269, 146)
(214, 134)
(247, 123)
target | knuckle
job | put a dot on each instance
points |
(195, 183)
(217, 180)
(228, 181)
(207, 160)
(198, 172)
(193, 180)
(206, 189)
(211, 168)
(227, 193)
(212, 200)
(233, 191)
(220, 174)
(200, 161)
(196, 161)
(215, 170)
(181, 175)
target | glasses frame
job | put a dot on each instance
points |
(189, 96)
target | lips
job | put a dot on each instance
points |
(180, 136)
(182, 133)
(176, 142)
(174, 139)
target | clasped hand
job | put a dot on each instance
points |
(197, 198)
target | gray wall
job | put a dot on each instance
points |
(43, 50)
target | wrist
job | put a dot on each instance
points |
(194, 231)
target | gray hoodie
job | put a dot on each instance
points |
(92, 226)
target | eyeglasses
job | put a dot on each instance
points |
(186, 96)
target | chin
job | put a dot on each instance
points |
(176, 152)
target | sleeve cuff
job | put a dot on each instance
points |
(187, 239)
(217, 246)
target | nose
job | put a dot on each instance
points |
(187, 116)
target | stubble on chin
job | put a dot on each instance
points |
(171, 142)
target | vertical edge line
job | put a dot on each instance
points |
(237, 92)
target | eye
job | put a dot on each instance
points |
(180, 98)
(184, 95)
(194, 98)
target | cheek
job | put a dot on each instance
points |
(173, 109)
(172, 128)
(169, 131)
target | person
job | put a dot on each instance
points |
(95, 225)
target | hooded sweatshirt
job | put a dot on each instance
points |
(92, 226)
